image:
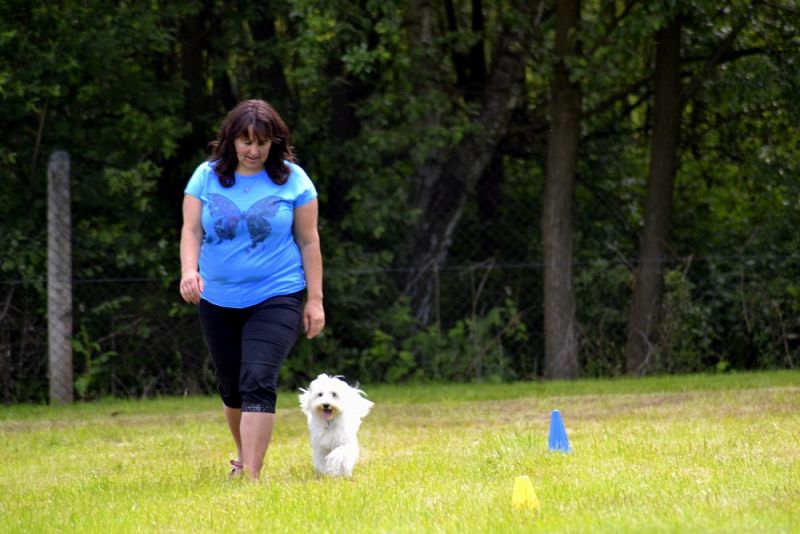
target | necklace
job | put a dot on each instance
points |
(248, 181)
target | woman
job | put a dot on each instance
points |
(251, 260)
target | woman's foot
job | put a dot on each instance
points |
(237, 469)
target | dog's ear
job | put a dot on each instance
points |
(362, 405)
(303, 397)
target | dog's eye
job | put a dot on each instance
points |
(319, 394)
(333, 394)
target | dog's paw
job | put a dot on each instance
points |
(341, 461)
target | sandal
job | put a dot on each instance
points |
(238, 469)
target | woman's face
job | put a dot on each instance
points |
(251, 154)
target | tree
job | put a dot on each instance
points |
(561, 343)
(446, 179)
(649, 276)
(395, 108)
(668, 104)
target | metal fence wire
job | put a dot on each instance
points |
(63, 338)
(136, 338)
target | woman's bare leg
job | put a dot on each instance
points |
(234, 418)
(256, 433)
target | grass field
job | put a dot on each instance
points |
(673, 454)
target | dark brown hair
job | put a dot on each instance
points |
(259, 119)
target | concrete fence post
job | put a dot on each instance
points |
(59, 278)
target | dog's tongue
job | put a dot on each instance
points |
(327, 414)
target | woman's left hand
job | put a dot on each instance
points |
(313, 318)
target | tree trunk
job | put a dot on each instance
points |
(561, 343)
(470, 66)
(269, 80)
(644, 320)
(346, 94)
(443, 188)
(193, 34)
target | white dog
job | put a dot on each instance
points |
(334, 411)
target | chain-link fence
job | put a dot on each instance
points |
(129, 338)
(62, 337)
(136, 337)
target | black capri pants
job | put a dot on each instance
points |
(249, 346)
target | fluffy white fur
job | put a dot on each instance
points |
(334, 411)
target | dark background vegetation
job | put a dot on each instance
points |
(509, 190)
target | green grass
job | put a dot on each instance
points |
(669, 454)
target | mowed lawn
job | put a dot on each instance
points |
(693, 453)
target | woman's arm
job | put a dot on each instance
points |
(306, 234)
(191, 236)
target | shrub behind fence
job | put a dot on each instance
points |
(136, 337)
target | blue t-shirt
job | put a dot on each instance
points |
(249, 253)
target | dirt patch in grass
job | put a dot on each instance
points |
(719, 404)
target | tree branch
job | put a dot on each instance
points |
(612, 26)
(7, 303)
(779, 7)
(634, 87)
(718, 55)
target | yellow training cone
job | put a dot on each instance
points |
(524, 496)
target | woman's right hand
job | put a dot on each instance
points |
(191, 286)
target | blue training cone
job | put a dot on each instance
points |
(558, 440)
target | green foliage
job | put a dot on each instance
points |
(94, 367)
(371, 91)
(602, 289)
(687, 338)
(473, 349)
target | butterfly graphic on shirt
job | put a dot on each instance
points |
(227, 217)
